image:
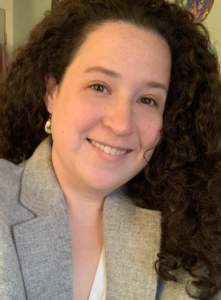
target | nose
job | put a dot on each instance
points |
(119, 117)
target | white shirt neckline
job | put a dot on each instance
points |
(98, 290)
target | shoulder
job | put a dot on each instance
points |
(120, 202)
(10, 178)
(11, 212)
(9, 170)
(120, 211)
(170, 290)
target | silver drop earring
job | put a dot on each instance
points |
(48, 125)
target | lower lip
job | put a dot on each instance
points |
(108, 156)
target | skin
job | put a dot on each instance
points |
(114, 93)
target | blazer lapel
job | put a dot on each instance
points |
(132, 241)
(43, 243)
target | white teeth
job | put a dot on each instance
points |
(113, 151)
(107, 149)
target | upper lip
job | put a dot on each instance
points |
(110, 145)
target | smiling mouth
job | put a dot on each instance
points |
(108, 149)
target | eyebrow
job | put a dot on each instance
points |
(151, 84)
(103, 70)
(157, 85)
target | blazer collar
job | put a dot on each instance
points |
(131, 235)
(132, 241)
(43, 243)
(40, 190)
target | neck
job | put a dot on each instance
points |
(87, 211)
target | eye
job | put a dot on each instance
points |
(99, 88)
(148, 101)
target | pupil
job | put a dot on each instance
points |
(98, 88)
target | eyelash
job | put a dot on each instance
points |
(95, 86)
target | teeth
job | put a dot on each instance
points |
(107, 149)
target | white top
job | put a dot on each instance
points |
(98, 290)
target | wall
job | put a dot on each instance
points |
(7, 5)
(27, 13)
(213, 24)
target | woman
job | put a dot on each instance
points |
(130, 95)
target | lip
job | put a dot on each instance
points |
(107, 156)
(110, 145)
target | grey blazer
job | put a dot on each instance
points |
(35, 243)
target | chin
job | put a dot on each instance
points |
(106, 186)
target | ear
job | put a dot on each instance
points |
(51, 92)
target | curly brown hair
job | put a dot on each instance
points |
(183, 177)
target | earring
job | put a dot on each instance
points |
(48, 125)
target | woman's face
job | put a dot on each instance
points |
(108, 109)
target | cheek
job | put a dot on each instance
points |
(77, 114)
(86, 117)
(150, 133)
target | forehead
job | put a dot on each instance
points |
(118, 34)
(121, 46)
